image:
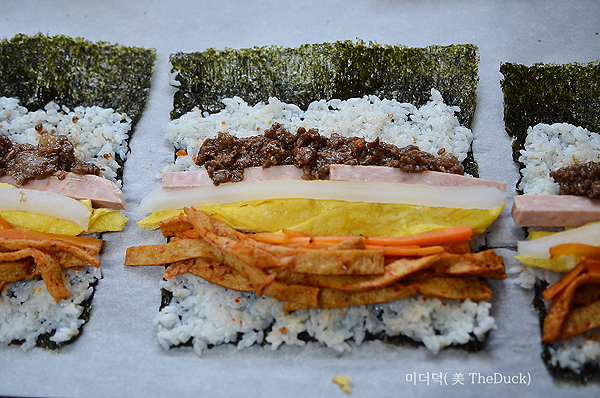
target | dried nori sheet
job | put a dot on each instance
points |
(312, 72)
(549, 93)
(75, 72)
(342, 69)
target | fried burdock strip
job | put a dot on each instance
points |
(51, 246)
(483, 264)
(18, 270)
(211, 271)
(26, 255)
(221, 255)
(219, 248)
(439, 287)
(561, 307)
(261, 255)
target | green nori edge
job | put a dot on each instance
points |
(43, 340)
(549, 93)
(76, 72)
(473, 345)
(342, 69)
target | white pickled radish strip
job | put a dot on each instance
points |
(540, 248)
(470, 197)
(45, 203)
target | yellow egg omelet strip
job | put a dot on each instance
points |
(101, 220)
(334, 217)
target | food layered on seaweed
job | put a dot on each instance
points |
(306, 192)
(551, 112)
(67, 110)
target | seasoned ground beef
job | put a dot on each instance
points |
(578, 179)
(53, 154)
(5, 146)
(226, 156)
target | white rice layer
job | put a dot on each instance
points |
(210, 315)
(431, 127)
(548, 148)
(99, 135)
(27, 310)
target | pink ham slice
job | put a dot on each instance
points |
(200, 178)
(189, 179)
(554, 210)
(102, 192)
(342, 172)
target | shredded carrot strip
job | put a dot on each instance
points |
(4, 224)
(569, 277)
(311, 245)
(404, 251)
(576, 249)
(290, 232)
(433, 238)
(271, 238)
(448, 235)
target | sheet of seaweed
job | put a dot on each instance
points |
(74, 72)
(550, 93)
(342, 69)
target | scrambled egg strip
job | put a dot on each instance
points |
(335, 217)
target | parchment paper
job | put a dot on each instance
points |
(118, 353)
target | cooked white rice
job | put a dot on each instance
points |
(548, 148)
(27, 310)
(431, 127)
(99, 135)
(210, 315)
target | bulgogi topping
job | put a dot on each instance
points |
(226, 156)
(578, 179)
(53, 154)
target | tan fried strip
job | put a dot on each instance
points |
(48, 266)
(52, 246)
(330, 298)
(561, 305)
(484, 264)
(212, 272)
(52, 275)
(258, 254)
(176, 250)
(92, 244)
(306, 295)
(453, 288)
(354, 283)
(175, 226)
(586, 294)
(18, 270)
(582, 319)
